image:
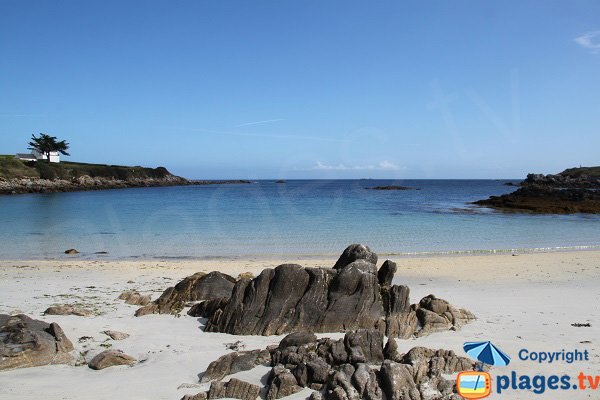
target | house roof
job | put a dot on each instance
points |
(25, 155)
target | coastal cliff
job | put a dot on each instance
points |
(18, 177)
(575, 190)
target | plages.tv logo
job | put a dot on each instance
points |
(478, 384)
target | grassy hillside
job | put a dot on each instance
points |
(593, 172)
(12, 168)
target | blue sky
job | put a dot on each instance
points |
(307, 89)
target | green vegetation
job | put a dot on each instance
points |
(593, 172)
(12, 168)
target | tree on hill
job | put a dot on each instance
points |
(46, 144)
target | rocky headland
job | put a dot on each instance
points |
(575, 190)
(17, 177)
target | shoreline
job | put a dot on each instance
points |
(86, 257)
(526, 301)
(33, 186)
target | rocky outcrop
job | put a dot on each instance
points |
(574, 190)
(200, 286)
(355, 252)
(25, 342)
(111, 358)
(386, 273)
(282, 383)
(68, 309)
(357, 367)
(353, 295)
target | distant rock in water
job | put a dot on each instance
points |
(575, 190)
(71, 251)
(280, 181)
(26, 342)
(392, 187)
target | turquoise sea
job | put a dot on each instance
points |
(266, 219)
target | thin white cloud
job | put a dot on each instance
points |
(258, 135)
(266, 121)
(16, 115)
(384, 165)
(590, 41)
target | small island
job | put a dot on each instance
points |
(575, 190)
(392, 187)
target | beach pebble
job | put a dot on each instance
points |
(116, 335)
(111, 358)
(135, 298)
(68, 309)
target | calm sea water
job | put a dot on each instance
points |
(307, 217)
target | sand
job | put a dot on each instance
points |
(527, 301)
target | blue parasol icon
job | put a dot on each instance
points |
(487, 353)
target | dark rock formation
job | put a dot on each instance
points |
(344, 369)
(575, 190)
(291, 298)
(282, 383)
(234, 389)
(437, 315)
(207, 308)
(198, 396)
(68, 309)
(71, 251)
(355, 252)
(25, 342)
(386, 273)
(199, 286)
(111, 358)
(235, 362)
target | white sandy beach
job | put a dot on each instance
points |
(523, 301)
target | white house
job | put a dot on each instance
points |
(36, 155)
